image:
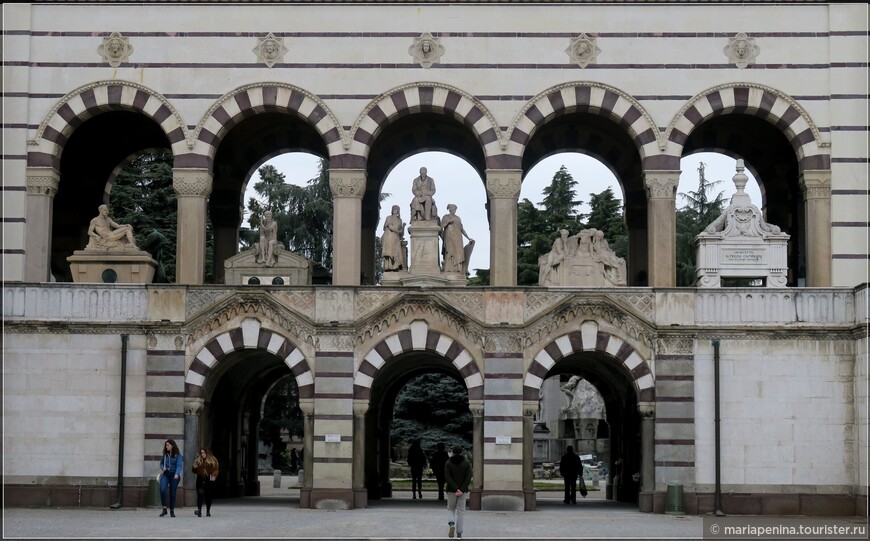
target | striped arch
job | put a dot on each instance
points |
(758, 100)
(590, 338)
(415, 98)
(584, 97)
(257, 98)
(249, 335)
(417, 337)
(90, 100)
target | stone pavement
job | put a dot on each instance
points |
(276, 515)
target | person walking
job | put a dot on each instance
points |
(206, 469)
(570, 467)
(417, 461)
(437, 462)
(171, 466)
(457, 477)
(294, 462)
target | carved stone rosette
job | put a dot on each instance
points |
(583, 50)
(115, 49)
(426, 50)
(741, 50)
(270, 50)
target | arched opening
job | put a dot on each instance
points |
(608, 142)
(90, 157)
(616, 442)
(405, 137)
(247, 145)
(772, 161)
(232, 420)
(386, 387)
(457, 182)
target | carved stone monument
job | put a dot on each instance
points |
(427, 230)
(583, 260)
(111, 255)
(740, 244)
(580, 417)
(268, 262)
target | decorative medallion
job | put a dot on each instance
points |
(426, 50)
(741, 50)
(116, 49)
(270, 50)
(582, 50)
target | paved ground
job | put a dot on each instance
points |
(276, 515)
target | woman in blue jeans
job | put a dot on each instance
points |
(171, 466)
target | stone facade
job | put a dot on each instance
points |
(504, 85)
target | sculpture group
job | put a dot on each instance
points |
(584, 259)
(425, 229)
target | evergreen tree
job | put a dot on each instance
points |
(281, 413)
(537, 228)
(142, 196)
(432, 408)
(303, 213)
(698, 212)
(606, 215)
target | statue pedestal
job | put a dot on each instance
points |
(425, 248)
(124, 267)
(290, 269)
(425, 264)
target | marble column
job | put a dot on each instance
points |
(647, 458)
(816, 191)
(360, 493)
(530, 409)
(307, 407)
(192, 411)
(502, 189)
(193, 187)
(42, 184)
(661, 189)
(476, 407)
(348, 187)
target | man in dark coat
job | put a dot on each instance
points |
(457, 474)
(437, 462)
(570, 467)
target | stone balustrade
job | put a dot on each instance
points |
(727, 306)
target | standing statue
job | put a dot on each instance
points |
(267, 249)
(106, 234)
(451, 236)
(392, 248)
(423, 205)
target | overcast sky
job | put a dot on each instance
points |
(457, 182)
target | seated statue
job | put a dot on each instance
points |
(107, 235)
(267, 249)
(423, 204)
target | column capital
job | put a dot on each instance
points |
(360, 407)
(192, 181)
(503, 183)
(347, 182)
(661, 184)
(816, 184)
(307, 406)
(476, 408)
(647, 410)
(42, 181)
(193, 406)
(530, 408)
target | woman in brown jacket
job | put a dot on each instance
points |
(206, 469)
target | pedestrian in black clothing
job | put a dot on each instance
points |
(437, 462)
(570, 467)
(417, 461)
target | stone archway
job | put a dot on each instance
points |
(225, 384)
(384, 370)
(626, 380)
